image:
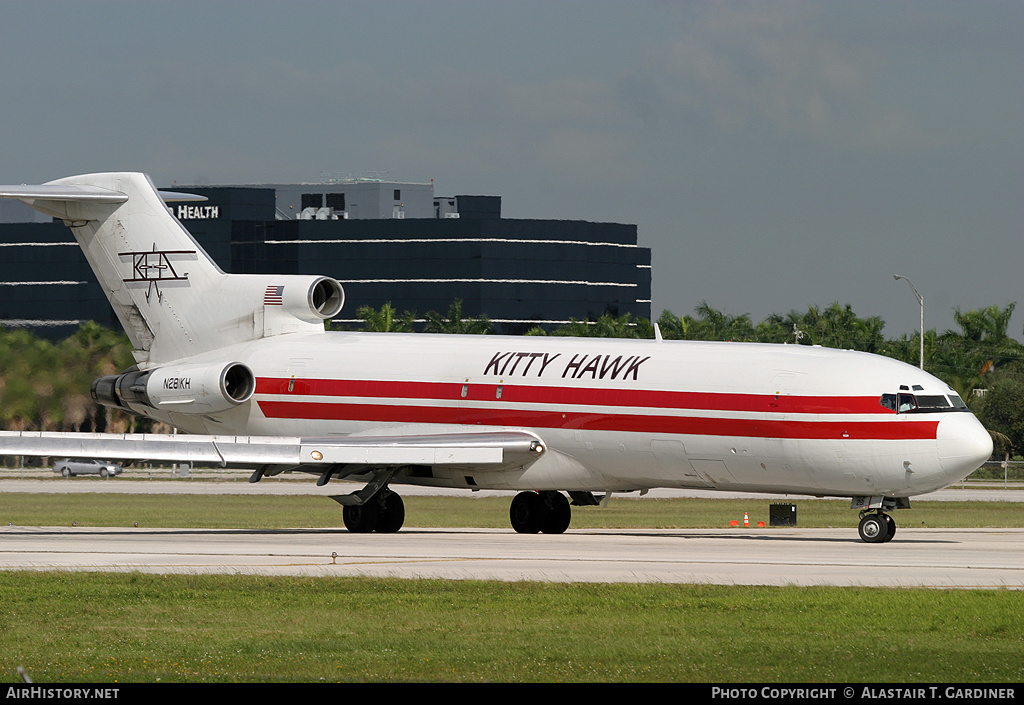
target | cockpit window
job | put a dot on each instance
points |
(904, 403)
(932, 402)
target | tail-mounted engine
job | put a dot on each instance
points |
(310, 299)
(186, 389)
(295, 303)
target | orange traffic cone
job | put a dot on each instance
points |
(746, 519)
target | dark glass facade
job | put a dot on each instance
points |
(46, 285)
(520, 273)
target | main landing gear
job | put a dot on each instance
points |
(383, 513)
(546, 512)
(876, 527)
(373, 508)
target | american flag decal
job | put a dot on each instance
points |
(274, 296)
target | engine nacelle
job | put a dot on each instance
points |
(184, 389)
(310, 299)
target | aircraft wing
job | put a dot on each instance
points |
(492, 449)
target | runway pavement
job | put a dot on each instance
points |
(974, 558)
(942, 558)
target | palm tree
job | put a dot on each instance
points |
(46, 386)
(966, 358)
(575, 328)
(456, 323)
(708, 324)
(1002, 410)
(607, 326)
(907, 348)
(987, 329)
(839, 327)
(836, 326)
(386, 320)
(781, 328)
(91, 352)
(672, 327)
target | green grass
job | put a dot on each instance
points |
(142, 628)
(274, 512)
(99, 627)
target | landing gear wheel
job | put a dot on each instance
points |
(874, 528)
(361, 518)
(558, 515)
(527, 513)
(892, 528)
(392, 514)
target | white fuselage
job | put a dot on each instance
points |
(244, 358)
(617, 415)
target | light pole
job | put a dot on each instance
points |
(920, 300)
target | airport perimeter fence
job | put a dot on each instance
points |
(1005, 470)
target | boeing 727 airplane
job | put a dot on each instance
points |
(242, 364)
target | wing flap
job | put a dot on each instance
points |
(474, 449)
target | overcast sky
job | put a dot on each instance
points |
(774, 155)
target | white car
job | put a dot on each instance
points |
(68, 467)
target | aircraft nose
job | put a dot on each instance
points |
(964, 445)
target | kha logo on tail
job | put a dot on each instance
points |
(154, 267)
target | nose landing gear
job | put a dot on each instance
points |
(876, 527)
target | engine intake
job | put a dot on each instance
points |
(326, 298)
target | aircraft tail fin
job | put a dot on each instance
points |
(169, 295)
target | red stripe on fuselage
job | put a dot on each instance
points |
(585, 420)
(646, 423)
(585, 396)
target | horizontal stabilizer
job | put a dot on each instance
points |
(177, 196)
(85, 194)
(78, 194)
